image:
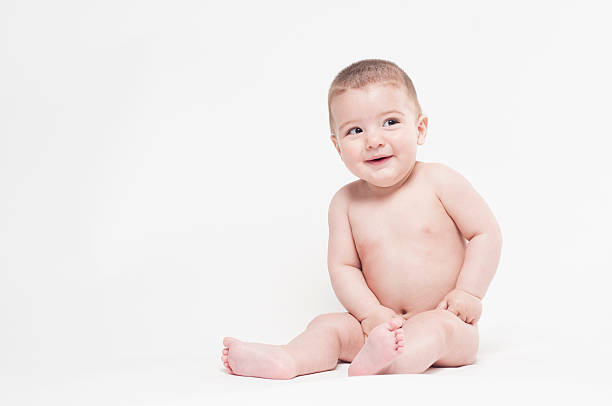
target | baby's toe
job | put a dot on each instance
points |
(228, 341)
(399, 340)
(227, 366)
(395, 323)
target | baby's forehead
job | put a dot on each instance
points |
(396, 91)
(383, 95)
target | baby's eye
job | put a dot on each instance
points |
(392, 120)
(355, 128)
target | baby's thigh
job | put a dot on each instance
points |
(348, 330)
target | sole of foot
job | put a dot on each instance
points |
(384, 344)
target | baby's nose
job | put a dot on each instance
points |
(375, 142)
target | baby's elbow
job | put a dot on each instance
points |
(499, 238)
(496, 234)
(492, 236)
(493, 231)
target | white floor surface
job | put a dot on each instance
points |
(504, 374)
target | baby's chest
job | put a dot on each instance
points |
(404, 222)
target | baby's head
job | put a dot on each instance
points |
(374, 111)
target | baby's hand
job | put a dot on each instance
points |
(377, 317)
(463, 304)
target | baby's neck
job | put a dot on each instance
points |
(384, 191)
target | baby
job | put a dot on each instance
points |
(412, 246)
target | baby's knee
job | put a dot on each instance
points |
(457, 333)
(345, 327)
(328, 320)
(439, 322)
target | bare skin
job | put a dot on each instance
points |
(412, 250)
(287, 361)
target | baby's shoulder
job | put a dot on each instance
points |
(443, 179)
(346, 193)
(435, 173)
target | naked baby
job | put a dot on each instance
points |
(412, 246)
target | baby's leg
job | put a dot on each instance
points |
(435, 337)
(327, 338)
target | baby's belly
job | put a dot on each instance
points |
(411, 278)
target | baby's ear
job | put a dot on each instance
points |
(422, 129)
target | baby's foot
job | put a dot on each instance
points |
(382, 346)
(258, 360)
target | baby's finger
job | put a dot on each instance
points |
(460, 315)
(453, 310)
(443, 305)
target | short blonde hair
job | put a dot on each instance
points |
(366, 72)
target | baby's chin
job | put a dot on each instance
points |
(387, 181)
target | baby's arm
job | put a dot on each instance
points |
(345, 268)
(476, 222)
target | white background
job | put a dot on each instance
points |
(166, 168)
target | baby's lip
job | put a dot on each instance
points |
(378, 156)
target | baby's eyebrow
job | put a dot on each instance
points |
(391, 112)
(381, 114)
